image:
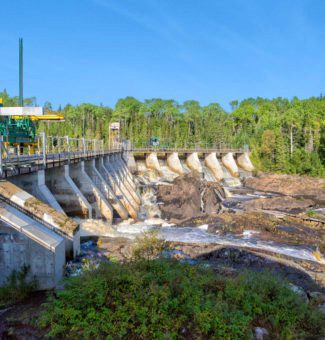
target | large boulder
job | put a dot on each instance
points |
(188, 196)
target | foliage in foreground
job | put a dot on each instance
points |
(165, 299)
(17, 287)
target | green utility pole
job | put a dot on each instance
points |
(21, 98)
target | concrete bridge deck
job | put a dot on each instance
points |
(161, 150)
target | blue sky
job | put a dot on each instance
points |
(210, 50)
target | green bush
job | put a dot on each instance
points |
(163, 299)
(17, 287)
(148, 246)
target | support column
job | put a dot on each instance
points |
(82, 199)
(115, 185)
(46, 193)
(152, 162)
(244, 162)
(92, 194)
(106, 190)
(174, 163)
(117, 168)
(121, 183)
(214, 166)
(229, 162)
(124, 169)
(193, 162)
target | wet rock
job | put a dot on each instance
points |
(187, 197)
(301, 186)
(287, 230)
(260, 333)
(299, 291)
(285, 204)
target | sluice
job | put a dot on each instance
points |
(121, 182)
(214, 166)
(100, 206)
(115, 185)
(124, 178)
(174, 163)
(107, 190)
(230, 164)
(244, 162)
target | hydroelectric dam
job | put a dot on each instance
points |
(43, 193)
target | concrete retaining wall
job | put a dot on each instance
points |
(46, 264)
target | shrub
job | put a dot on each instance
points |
(148, 246)
(164, 299)
(17, 287)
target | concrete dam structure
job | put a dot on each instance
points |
(215, 165)
(41, 196)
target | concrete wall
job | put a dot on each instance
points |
(100, 206)
(71, 201)
(17, 250)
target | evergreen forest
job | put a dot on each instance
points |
(286, 136)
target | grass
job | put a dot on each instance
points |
(17, 287)
(165, 299)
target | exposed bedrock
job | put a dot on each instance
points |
(193, 162)
(174, 163)
(300, 186)
(152, 162)
(289, 230)
(214, 166)
(244, 162)
(282, 203)
(230, 163)
(188, 196)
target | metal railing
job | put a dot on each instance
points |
(186, 150)
(44, 154)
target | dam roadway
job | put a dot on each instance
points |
(41, 193)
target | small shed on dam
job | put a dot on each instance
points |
(24, 241)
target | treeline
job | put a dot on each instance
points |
(283, 135)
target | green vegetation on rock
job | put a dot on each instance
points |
(164, 299)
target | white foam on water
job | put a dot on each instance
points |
(203, 227)
(196, 235)
(200, 235)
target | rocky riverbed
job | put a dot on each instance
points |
(271, 215)
(260, 225)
